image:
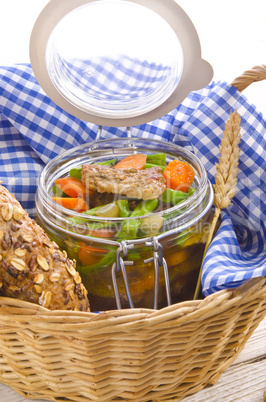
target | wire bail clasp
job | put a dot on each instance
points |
(159, 261)
(118, 265)
(100, 131)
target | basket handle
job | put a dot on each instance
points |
(257, 73)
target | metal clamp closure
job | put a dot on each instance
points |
(120, 264)
(159, 261)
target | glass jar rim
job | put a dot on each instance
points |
(131, 144)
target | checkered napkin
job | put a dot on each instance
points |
(130, 79)
(33, 130)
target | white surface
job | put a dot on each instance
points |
(232, 35)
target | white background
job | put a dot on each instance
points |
(232, 35)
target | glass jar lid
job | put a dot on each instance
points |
(117, 62)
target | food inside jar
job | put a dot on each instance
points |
(138, 188)
(136, 177)
(182, 253)
(133, 187)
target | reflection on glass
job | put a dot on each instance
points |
(114, 58)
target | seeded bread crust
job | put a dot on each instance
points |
(32, 267)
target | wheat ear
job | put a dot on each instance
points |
(225, 178)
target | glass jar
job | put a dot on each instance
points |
(150, 266)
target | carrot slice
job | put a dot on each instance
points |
(176, 258)
(179, 175)
(76, 204)
(73, 187)
(106, 233)
(136, 161)
(144, 284)
(89, 255)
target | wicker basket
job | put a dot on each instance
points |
(128, 355)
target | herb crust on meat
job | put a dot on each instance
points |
(144, 184)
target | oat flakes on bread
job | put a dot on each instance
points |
(32, 267)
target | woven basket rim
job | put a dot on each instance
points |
(111, 348)
(126, 319)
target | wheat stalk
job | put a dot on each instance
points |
(226, 177)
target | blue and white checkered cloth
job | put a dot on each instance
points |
(33, 130)
(130, 79)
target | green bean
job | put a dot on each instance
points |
(108, 260)
(76, 172)
(183, 237)
(124, 210)
(92, 211)
(173, 197)
(133, 255)
(150, 165)
(110, 162)
(156, 159)
(145, 207)
(130, 228)
(191, 191)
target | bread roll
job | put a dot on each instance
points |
(32, 267)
